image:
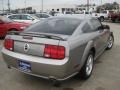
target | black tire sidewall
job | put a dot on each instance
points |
(83, 73)
(108, 48)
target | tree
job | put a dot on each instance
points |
(108, 6)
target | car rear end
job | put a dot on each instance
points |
(43, 58)
(40, 54)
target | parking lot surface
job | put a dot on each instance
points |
(106, 74)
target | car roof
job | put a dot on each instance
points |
(41, 13)
(18, 14)
(44, 13)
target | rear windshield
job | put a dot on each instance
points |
(55, 26)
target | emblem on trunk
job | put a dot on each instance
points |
(26, 47)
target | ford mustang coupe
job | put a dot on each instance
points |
(58, 48)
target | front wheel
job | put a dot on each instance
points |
(87, 69)
(102, 19)
(110, 42)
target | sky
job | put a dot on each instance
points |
(21, 3)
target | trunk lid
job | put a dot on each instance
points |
(34, 43)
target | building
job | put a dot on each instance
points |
(60, 7)
(64, 7)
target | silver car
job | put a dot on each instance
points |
(28, 18)
(58, 48)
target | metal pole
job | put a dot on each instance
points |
(9, 6)
(25, 6)
(87, 5)
(42, 5)
(101, 2)
(101, 6)
(3, 6)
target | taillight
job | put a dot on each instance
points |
(9, 44)
(54, 52)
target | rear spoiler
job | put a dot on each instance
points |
(35, 35)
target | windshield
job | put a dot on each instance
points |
(55, 26)
(5, 19)
(34, 16)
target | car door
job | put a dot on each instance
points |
(100, 39)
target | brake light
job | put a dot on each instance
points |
(9, 44)
(54, 52)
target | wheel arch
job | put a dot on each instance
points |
(111, 34)
(13, 29)
(88, 48)
(93, 50)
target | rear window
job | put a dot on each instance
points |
(55, 26)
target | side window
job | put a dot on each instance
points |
(40, 15)
(86, 28)
(14, 17)
(95, 23)
(26, 17)
(44, 16)
(11, 17)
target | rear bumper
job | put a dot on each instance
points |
(40, 67)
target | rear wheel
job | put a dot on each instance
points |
(110, 42)
(87, 69)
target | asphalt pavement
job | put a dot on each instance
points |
(106, 73)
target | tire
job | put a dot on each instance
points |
(110, 42)
(87, 68)
(102, 18)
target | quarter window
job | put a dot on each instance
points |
(95, 23)
(44, 16)
(39, 15)
(86, 28)
(26, 17)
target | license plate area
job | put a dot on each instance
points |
(24, 66)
